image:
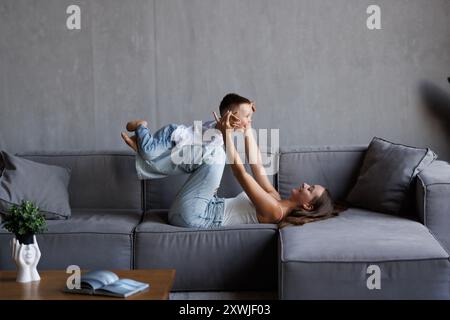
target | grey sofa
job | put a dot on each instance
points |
(119, 222)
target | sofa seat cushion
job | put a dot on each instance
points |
(98, 221)
(92, 239)
(241, 257)
(329, 259)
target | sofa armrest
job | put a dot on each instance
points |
(433, 200)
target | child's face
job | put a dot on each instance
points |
(244, 112)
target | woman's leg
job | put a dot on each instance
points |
(196, 205)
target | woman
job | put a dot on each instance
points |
(197, 204)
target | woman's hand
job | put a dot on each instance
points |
(228, 122)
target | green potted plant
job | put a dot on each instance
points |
(24, 220)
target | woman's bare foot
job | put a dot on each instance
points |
(132, 125)
(130, 141)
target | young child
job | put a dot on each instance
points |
(158, 154)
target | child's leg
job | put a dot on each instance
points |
(196, 204)
(158, 155)
(152, 146)
(130, 141)
(132, 125)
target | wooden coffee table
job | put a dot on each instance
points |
(52, 282)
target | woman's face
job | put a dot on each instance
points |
(305, 195)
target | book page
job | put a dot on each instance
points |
(98, 279)
(123, 287)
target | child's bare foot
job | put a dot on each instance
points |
(132, 125)
(130, 141)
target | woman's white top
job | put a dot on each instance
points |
(239, 210)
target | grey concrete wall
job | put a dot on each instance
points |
(313, 68)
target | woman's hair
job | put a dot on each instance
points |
(324, 208)
(230, 100)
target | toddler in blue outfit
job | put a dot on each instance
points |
(173, 149)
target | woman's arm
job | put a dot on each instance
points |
(266, 206)
(254, 158)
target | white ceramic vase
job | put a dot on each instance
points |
(26, 257)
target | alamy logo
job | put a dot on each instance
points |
(73, 21)
(374, 20)
(374, 280)
(74, 280)
(193, 147)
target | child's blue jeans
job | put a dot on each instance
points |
(196, 204)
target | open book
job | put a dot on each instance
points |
(107, 283)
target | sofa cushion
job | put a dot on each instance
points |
(329, 259)
(91, 239)
(433, 200)
(336, 168)
(386, 175)
(106, 221)
(99, 179)
(44, 185)
(241, 257)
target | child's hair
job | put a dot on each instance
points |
(231, 100)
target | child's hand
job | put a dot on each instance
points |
(228, 122)
(239, 127)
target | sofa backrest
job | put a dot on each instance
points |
(336, 168)
(333, 167)
(105, 180)
(108, 180)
